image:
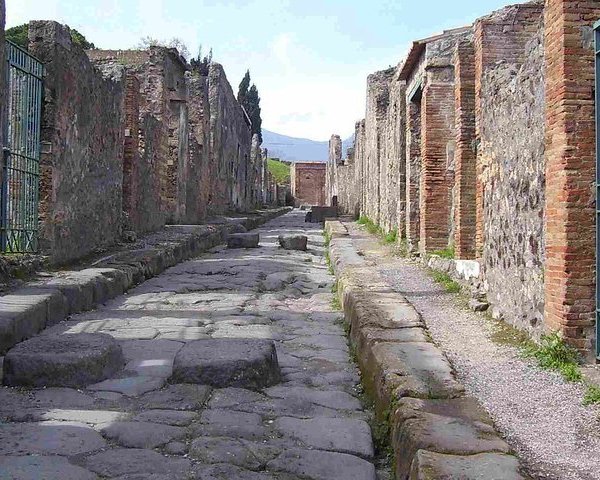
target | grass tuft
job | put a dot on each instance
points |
(447, 252)
(371, 226)
(391, 236)
(592, 395)
(553, 353)
(446, 281)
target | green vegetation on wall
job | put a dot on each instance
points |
(19, 36)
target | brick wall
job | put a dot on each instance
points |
(437, 118)
(464, 236)
(413, 172)
(82, 145)
(308, 183)
(570, 163)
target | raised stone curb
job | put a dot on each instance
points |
(41, 304)
(436, 431)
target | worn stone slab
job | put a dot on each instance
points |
(133, 461)
(177, 397)
(242, 240)
(335, 399)
(21, 317)
(177, 418)
(293, 242)
(226, 362)
(230, 423)
(48, 438)
(72, 360)
(452, 427)
(242, 453)
(92, 417)
(395, 370)
(345, 435)
(319, 465)
(39, 467)
(427, 465)
(130, 386)
(225, 471)
(141, 434)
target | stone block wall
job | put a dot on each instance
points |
(82, 147)
(513, 187)
(308, 183)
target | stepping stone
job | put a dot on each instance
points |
(242, 240)
(293, 242)
(47, 468)
(71, 360)
(227, 362)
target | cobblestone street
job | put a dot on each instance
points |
(141, 424)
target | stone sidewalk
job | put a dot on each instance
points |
(138, 425)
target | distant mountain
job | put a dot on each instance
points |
(295, 149)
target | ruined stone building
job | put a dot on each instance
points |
(135, 139)
(308, 183)
(482, 141)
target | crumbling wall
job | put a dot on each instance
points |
(82, 145)
(513, 166)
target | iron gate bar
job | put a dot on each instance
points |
(597, 113)
(19, 196)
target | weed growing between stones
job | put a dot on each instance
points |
(446, 281)
(370, 225)
(401, 248)
(327, 238)
(335, 303)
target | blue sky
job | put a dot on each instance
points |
(308, 58)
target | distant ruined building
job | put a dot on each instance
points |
(482, 141)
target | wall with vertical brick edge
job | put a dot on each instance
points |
(343, 179)
(512, 156)
(308, 183)
(2, 76)
(569, 278)
(82, 147)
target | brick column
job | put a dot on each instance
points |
(437, 119)
(465, 178)
(570, 170)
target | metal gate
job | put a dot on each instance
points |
(21, 152)
(597, 50)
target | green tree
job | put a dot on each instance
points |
(250, 99)
(19, 36)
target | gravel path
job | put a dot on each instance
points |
(539, 414)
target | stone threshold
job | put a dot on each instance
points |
(46, 302)
(436, 430)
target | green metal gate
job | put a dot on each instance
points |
(597, 50)
(21, 152)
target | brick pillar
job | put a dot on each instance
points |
(570, 170)
(413, 172)
(437, 119)
(465, 209)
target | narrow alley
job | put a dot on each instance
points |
(143, 424)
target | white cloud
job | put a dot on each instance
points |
(280, 47)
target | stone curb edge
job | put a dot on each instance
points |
(41, 304)
(436, 431)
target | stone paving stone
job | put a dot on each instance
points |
(131, 461)
(227, 423)
(225, 471)
(38, 468)
(337, 434)
(130, 386)
(242, 240)
(318, 465)
(141, 434)
(48, 438)
(168, 417)
(177, 397)
(247, 363)
(69, 360)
